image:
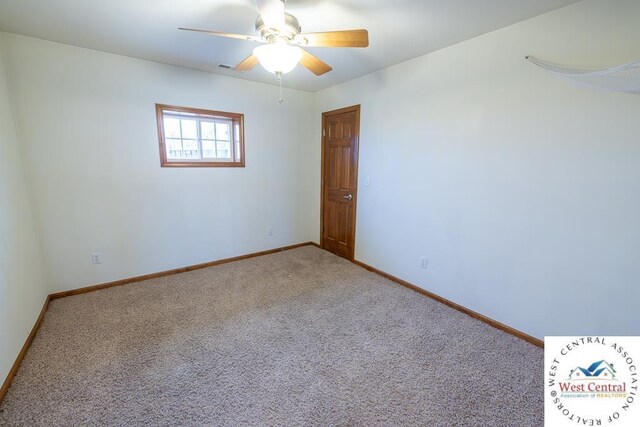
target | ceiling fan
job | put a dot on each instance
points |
(282, 38)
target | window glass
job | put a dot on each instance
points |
(189, 129)
(222, 131)
(171, 127)
(224, 150)
(208, 130)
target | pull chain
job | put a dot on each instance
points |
(280, 101)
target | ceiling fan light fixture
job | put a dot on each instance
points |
(278, 57)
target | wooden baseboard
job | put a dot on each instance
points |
(508, 329)
(121, 282)
(23, 352)
(36, 327)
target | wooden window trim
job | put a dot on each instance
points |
(236, 118)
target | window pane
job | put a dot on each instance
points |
(208, 149)
(223, 131)
(190, 144)
(189, 129)
(174, 144)
(207, 130)
(171, 127)
(224, 149)
(190, 147)
(174, 149)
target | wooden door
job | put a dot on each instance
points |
(340, 131)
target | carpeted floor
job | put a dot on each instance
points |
(300, 337)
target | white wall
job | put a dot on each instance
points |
(22, 278)
(87, 123)
(522, 190)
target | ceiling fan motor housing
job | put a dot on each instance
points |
(290, 30)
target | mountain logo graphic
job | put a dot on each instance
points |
(600, 370)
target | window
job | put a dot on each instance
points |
(194, 137)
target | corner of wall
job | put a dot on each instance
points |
(23, 282)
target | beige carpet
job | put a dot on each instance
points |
(300, 337)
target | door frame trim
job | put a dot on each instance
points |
(352, 109)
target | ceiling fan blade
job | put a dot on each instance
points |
(230, 35)
(347, 38)
(272, 13)
(247, 64)
(314, 64)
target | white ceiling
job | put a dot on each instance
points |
(398, 30)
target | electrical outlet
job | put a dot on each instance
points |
(96, 258)
(423, 263)
(270, 231)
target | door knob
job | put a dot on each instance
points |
(349, 197)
